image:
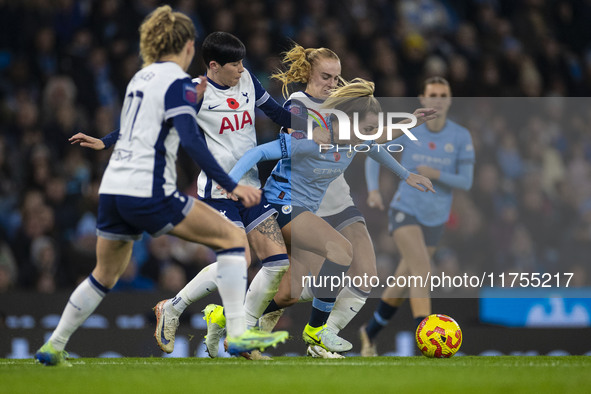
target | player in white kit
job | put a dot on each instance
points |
(138, 190)
(226, 116)
(320, 70)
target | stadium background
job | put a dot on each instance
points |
(64, 66)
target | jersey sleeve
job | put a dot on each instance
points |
(382, 156)
(465, 149)
(110, 139)
(179, 109)
(278, 149)
(180, 98)
(372, 174)
(273, 110)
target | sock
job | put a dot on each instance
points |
(349, 302)
(83, 301)
(307, 294)
(201, 285)
(383, 313)
(419, 319)
(264, 286)
(231, 280)
(322, 286)
(321, 308)
(272, 307)
(325, 296)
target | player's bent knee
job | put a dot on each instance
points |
(233, 238)
(340, 252)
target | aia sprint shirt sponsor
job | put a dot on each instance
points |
(226, 116)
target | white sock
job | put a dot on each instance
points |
(307, 294)
(231, 280)
(349, 302)
(83, 301)
(201, 285)
(264, 286)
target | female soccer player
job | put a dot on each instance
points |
(445, 155)
(296, 191)
(138, 191)
(320, 70)
(226, 115)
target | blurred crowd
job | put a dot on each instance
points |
(64, 66)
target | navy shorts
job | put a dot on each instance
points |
(246, 218)
(345, 218)
(286, 213)
(125, 218)
(399, 219)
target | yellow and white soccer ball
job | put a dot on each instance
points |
(439, 336)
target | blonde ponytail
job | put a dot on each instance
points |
(300, 62)
(354, 96)
(164, 32)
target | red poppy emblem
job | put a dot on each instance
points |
(432, 145)
(337, 156)
(232, 103)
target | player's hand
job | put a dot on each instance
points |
(420, 182)
(429, 172)
(226, 193)
(250, 196)
(425, 114)
(200, 87)
(87, 141)
(321, 136)
(374, 200)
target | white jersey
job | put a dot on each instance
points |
(336, 199)
(338, 193)
(143, 162)
(226, 117)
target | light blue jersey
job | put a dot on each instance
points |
(449, 151)
(304, 173)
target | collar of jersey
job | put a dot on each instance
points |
(217, 86)
(314, 99)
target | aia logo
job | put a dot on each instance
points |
(234, 123)
(432, 145)
(337, 156)
(232, 103)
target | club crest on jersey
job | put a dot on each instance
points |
(449, 148)
(298, 135)
(232, 103)
(286, 209)
(234, 123)
(245, 94)
(349, 154)
(190, 93)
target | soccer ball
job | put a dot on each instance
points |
(439, 336)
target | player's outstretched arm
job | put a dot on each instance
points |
(372, 176)
(194, 144)
(274, 150)
(420, 182)
(417, 181)
(95, 143)
(87, 141)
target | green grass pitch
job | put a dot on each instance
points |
(506, 374)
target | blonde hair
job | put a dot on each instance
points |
(300, 62)
(354, 96)
(164, 32)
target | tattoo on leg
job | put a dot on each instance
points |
(270, 229)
